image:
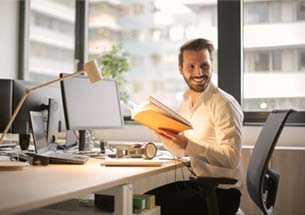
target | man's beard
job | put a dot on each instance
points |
(197, 86)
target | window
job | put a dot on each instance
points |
(273, 73)
(301, 60)
(151, 32)
(176, 33)
(301, 10)
(156, 60)
(263, 61)
(258, 12)
(51, 39)
(276, 60)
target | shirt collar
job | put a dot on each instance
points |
(205, 95)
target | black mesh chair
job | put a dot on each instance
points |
(262, 182)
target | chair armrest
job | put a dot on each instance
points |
(213, 180)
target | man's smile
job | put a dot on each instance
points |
(199, 80)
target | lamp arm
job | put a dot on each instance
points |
(57, 80)
(27, 92)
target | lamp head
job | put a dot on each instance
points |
(93, 71)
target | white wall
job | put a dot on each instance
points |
(9, 30)
(291, 136)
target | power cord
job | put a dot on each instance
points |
(186, 164)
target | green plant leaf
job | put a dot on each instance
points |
(115, 63)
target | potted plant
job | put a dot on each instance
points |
(115, 64)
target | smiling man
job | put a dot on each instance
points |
(214, 143)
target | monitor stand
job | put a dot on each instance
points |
(70, 142)
(53, 120)
(71, 139)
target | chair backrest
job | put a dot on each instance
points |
(262, 181)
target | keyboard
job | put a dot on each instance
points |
(7, 145)
(66, 158)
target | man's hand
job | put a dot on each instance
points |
(170, 138)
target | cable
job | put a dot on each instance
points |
(182, 173)
(188, 166)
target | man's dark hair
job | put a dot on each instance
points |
(196, 45)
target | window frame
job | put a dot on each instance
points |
(23, 40)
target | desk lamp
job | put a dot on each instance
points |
(94, 75)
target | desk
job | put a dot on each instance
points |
(38, 186)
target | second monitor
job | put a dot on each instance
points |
(91, 106)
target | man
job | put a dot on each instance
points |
(214, 143)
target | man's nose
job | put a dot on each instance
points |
(198, 71)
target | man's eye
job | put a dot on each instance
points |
(190, 67)
(204, 66)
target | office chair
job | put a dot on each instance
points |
(262, 182)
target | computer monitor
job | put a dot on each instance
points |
(39, 100)
(6, 102)
(91, 106)
(53, 119)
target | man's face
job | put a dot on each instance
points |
(196, 69)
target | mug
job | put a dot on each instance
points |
(24, 141)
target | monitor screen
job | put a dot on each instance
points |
(36, 101)
(6, 102)
(91, 106)
(38, 128)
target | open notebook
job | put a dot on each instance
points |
(132, 162)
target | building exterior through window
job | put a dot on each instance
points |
(151, 31)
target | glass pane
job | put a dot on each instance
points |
(262, 12)
(52, 24)
(261, 61)
(274, 41)
(301, 10)
(151, 32)
(276, 60)
(301, 60)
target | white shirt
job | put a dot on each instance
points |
(214, 143)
